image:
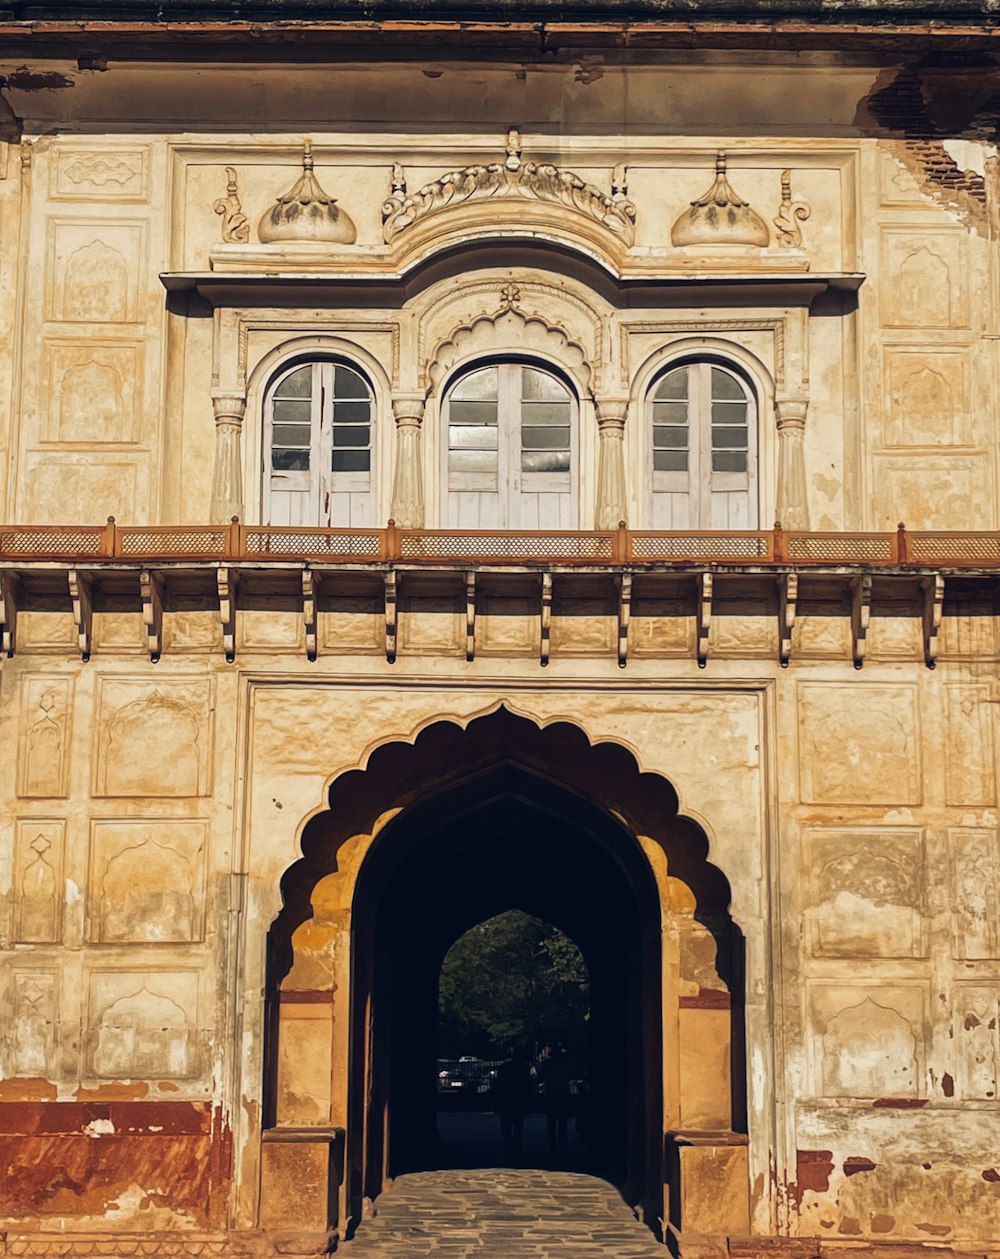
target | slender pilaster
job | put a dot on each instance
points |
(792, 507)
(227, 480)
(408, 482)
(611, 496)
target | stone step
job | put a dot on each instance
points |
(502, 1214)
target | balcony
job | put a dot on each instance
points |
(757, 572)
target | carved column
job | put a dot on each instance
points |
(611, 496)
(227, 480)
(792, 507)
(408, 482)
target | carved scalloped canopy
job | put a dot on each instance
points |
(511, 180)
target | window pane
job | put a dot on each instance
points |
(473, 437)
(472, 412)
(726, 386)
(676, 437)
(544, 460)
(545, 413)
(348, 384)
(729, 413)
(734, 437)
(290, 460)
(351, 460)
(729, 461)
(536, 384)
(292, 410)
(670, 460)
(351, 412)
(472, 460)
(477, 385)
(352, 435)
(292, 434)
(674, 384)
(554, 437)
(670, 413)
(297, 384)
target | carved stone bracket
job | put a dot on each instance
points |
(151, 593)
(227, 582)
(8, 611)
(706, 590)
(390, 616)
(309, 593)
(470, 615)
(407, 507)
(512, 178)
(227, 479)
(624, 617)
(545, 620)
(792, 500)
(861, 611)
(788, 597)
(83, 610)
(611, 493)
(933, 589)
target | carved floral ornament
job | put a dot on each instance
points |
(306, 213)
(511, 178)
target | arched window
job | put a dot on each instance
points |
(703, 431)
(318, 448)
(510, 450)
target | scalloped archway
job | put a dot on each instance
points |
(439, 833)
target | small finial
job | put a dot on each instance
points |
(720, 162)
(513, 149)
(307, 155)
(398, 180)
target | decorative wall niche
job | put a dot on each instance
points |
(153, 740)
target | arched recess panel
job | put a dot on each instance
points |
(497, 815)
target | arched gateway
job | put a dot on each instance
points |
(439, 834)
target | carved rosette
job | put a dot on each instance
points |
(511, 178)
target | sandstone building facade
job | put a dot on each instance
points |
(582, 307)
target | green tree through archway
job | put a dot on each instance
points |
(513, 980)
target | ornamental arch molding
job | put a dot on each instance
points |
(509, 332)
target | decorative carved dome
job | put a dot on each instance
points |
(720, 217)
(307, 213)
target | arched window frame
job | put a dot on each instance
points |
(564, 515)
(283, 356)
(758, 380)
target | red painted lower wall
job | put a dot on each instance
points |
(81, 1158)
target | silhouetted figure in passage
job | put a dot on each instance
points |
(512, 1093)
(554, 1075)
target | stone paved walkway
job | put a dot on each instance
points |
(502, 1214)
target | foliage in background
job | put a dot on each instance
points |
(513, 980)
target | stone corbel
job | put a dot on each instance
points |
(705, 593)
(861, 612)
(83, 610)
(408, 481)
(151, 593)
(8, 611)
(391, 591)
(611, 498)
(933, 592)
(227, 480)
(227, 581)
(545, 620)
(309, 593)
(624, 617)
(788, 598)
(792, 503)
(470, 615)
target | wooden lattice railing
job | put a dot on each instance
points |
(234, 543)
